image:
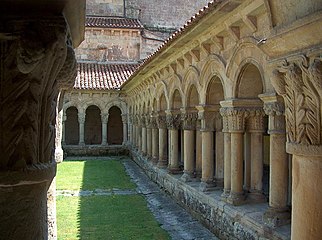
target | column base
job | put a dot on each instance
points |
(275, 217)
(225, 195)
(174, 170)
(162, 163)
(207, 186)
(154, 160)
(219, 183)
(236, 199)
(188, 177)
(256, 197)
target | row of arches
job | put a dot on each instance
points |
(94, 128)
(223, 138)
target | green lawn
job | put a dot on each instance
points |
(102, 217)
(93, 174)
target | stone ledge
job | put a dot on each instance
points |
(94, 150)
(224, 220)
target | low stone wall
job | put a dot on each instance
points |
(95, 150)
(224, 220)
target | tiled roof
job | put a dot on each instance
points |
(176, 35)
(102, 76)
(112, 22)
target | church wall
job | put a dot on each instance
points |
(105, 7)
(110, 45)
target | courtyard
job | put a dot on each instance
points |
(111, 198)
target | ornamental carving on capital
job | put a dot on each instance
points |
(124, 118)
(81, 117)
(104, 117)
(274, 108)
(154, 123)
(29, 64)
(255, 120)
(173, 121)
(236, 119)
(299, 81)
(161, 121)
(224, 114)
(189, 120)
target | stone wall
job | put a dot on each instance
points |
(224, 220)
(110, 45)
(163, 13)
(105, 7)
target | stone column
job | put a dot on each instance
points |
(59, 153)
(149, 137)
(81, 121)
(278, 212)
(227, 154)
(255, 125)
(34, 64)
(188, 123)
(298, 80)
(155, 140)
(104, 118)
(124, 121)
(163, 141)
(173, 121)
(207, 138)
(236, 118)
(143, 141)
(219, 159)
(198, 150)
(63, 130)
(247, 161)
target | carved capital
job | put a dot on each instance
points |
(173, 121)
(255, 120)
(104, 117)
(189, 120)
(207, 120)
(276, 119)
(234, 119)
(30, 61)
(299, 81)
(81, 117)
(124, 118)
(161, 121)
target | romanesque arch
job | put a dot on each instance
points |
(114, 126)
(71, 126)
(93, 126)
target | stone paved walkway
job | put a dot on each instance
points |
(173, 218)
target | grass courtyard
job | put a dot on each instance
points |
(102, 217)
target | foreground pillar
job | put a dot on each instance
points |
(189, 124)
(35, 63)
(299, 82)
(163, 142)
(278, 212)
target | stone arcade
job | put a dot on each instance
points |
(239, 83)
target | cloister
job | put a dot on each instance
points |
(225, 115)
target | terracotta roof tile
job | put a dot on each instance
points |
(112, 22)
(102, 76)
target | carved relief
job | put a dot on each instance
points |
(173, 121)
(29, 90)
(81, 117)
(275, 111)
(255, 120)
(207, 120)
(236, 119)
(189, 120)
(161, 122)
(300, 85)
(104, 117)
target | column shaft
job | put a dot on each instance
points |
(155, 141)
(143, 141)
(104, 133)
(125, 133)
(219, 175)
(163, 143)
(188, 155)
(236, 193)
(81, 133)
(198, 153)
(207, 176)
(173, 146)
(227, 164)
(149, 142)
(247, 160)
